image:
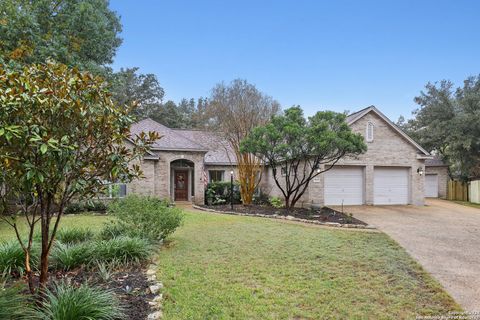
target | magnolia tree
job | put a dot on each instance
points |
(61, 137)
(302, 148)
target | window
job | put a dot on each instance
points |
(369, 134)
(216, 175)
(116, 190)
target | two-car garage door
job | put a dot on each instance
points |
(346, 185)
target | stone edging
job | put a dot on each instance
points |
(155, 288)
(291, 218)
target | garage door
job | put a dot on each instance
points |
(431, 185)
(390, 186)
(344, 185)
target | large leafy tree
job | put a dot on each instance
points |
(81, 33)
(61, 137)
(447, 123)
(234, 110)
(302, 148)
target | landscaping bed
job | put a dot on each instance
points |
(323, 214)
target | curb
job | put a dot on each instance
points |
(291, 218)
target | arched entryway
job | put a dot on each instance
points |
(182, 180)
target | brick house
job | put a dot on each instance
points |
(394, 170)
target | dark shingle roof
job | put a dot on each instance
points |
(435, 162)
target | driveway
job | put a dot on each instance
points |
(443, 236)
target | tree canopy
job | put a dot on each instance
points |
(302, 148)
(82, 33)
(234, 110)
(61, 136)
(447, 123)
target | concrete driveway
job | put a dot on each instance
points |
(443, 236)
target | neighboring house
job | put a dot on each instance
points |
(392, 171)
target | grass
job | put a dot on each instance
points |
(468, 204)
(229, 267)
(93, 222)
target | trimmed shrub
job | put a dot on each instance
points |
(143, 217)
(96, 206)
(12, 303)
(70, 256)
(12, 257)
(74, 207)
(65, 302)
(219, 192)
(113, 230)
(74, 235)
(276, 202)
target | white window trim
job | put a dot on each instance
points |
(368, 137)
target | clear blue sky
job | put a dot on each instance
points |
(336, 55)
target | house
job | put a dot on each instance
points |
(394, 170)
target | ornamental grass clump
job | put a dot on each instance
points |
(124, 249)
(144, 217)
(66, 302)
(74, 235)
(12, 258)
(70, 256)
(12, 303)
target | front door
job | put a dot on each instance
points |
(181, 185)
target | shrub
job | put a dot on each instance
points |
(219, 192)
(65, 302)
(122, 249)
(69, 256)
(144, 217)
(12, 303)
(261, 198)
(113, 229)
(74, 207)
(96, 206)
(276, 202)
(12, 257)
(74, 235)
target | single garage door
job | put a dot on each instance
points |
(390, 186)
(344, 185)
(431, 185)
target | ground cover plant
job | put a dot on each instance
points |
(230, 267)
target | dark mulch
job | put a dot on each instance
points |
(323, 214)
(130, 285)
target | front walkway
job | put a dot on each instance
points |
(443, 236)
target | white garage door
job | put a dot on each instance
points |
(390, 186)
(344, 185)
(431, 185)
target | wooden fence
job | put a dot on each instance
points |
(457, 190)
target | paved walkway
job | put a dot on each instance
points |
(443, 236)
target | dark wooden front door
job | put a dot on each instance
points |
(181, 185)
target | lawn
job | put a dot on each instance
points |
(230, 267)
(94, 222)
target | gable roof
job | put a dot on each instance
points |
(169, 140)
(352, 118)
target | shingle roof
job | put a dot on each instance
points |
(217, 149)
(170, 139)
(435, 162)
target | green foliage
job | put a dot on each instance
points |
(12, 303)
(144, 217)
(12, 257)
(301, 146)
(77, 33)
(74, 207)
(119, 250)
(447, 123)
(66, 302)
(276, 202)
(74, 235)
(79, 207)
(219, 192)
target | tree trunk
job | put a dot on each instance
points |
(28, 271)
(44, 264)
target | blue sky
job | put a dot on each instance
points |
(335, 55)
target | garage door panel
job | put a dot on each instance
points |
(391, 186)
(344, 185)
(431, 185)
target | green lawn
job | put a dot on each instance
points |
(94, 222)
(230, 267)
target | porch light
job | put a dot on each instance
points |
(420, 171)
(318, 170)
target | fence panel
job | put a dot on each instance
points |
(457, 190)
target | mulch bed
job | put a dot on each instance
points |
(130, 285)
(323, 214)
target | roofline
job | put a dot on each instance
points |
(220, 164)
(177, 149)
(147, 151)
(359, 114)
